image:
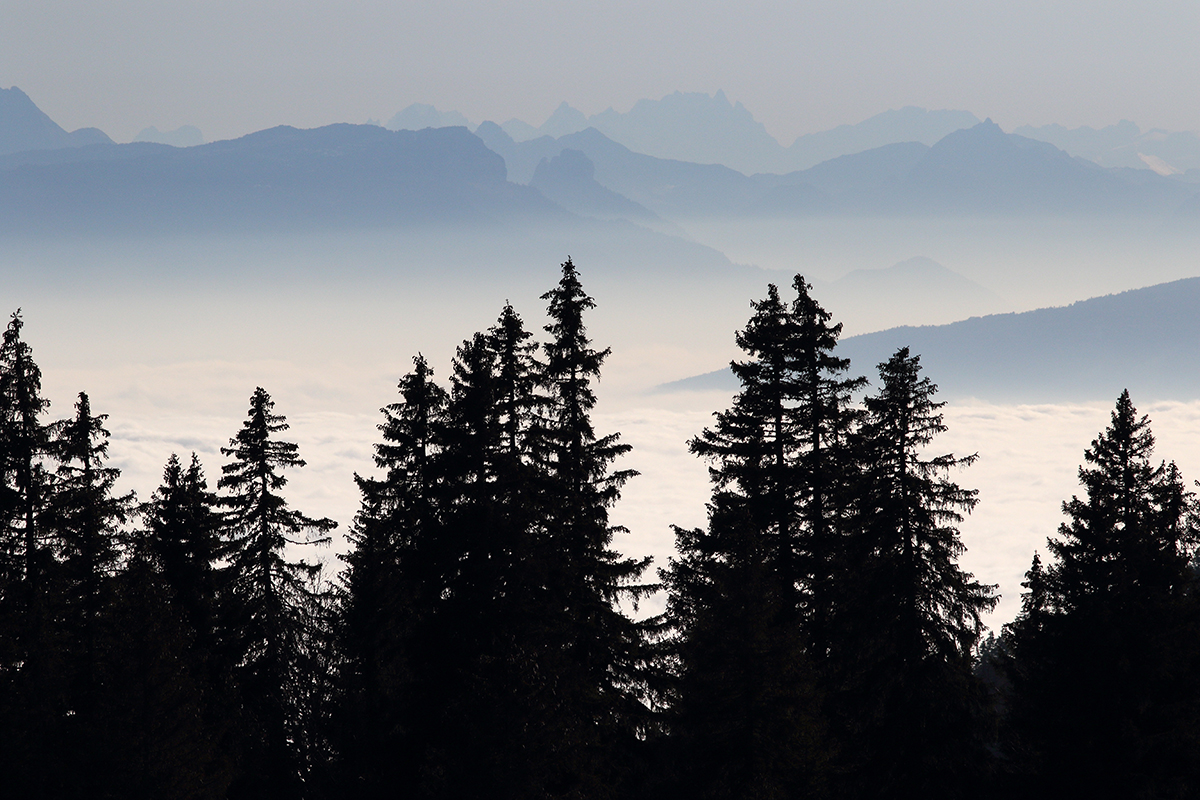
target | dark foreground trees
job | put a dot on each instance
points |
(1104, 656)
(819, 640)
(751, 595)
(490, 643)
(825, 630)
(272, 607)
(905, 701)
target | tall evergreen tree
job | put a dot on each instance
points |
(910, 617)
(270, 600)
(24, 442)
(392, 581)
(1104, 655)
(87, 521)
(751, 596)
(31, 663)
(597, 705)
(168, 700)
(182, 542)
(86, 515)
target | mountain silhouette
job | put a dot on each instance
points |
(694, 127)
(978, 170)
(667, 187)
(1124, 145)
(569, 180)
(185, 136)
(1142, 339)
(419, 116)
(983, 169)
(24, 126)
(908, 124)
(281, 178)
(916, 290)
(704, 129)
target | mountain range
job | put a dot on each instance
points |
(366, 175)
(339, 176)
(707, 129)
(710, 129)
(977, 170)
(1143, 340)
(24, 126)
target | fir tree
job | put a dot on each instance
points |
(597, 704)
(392, 582)
(1104, 653)
(750, 596)
(910, 617)
(24, 441)
(182, 544)
(32, 701)
(270, 599)
(86, 516)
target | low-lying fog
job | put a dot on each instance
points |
(170, 337)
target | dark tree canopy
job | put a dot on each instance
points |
(271, 602)
(910, 617)
(1103, 654)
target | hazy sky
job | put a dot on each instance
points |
(234, 66)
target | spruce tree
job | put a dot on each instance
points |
(909, 616)
(24, 442)
(392, 582)
(1104, 654)
(751, 596)
(87, 518)
(270, 601)
(182, 543)
(31, 659)
(168, 699)
(597, 705)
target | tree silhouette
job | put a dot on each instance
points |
(270, 600)
(909, 616)
(32, 753)
(1104, 649)
(751, 596)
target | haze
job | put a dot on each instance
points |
(234, 67)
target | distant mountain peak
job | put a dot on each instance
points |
(565, 120)
(24, 126)
(419, 116)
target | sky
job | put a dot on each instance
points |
(231, 67)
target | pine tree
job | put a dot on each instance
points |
(270, 599)
(1103, 650)
(910, 617)
(182, 543)
(750, 596)
(392, 582)
(31, 660)
(597, 704)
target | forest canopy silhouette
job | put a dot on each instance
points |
(481, 636)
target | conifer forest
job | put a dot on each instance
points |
(481, 637)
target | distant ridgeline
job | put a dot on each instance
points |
(1144, 339)
(819, 639)
(903, 163)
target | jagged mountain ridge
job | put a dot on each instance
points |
(704, 129)
(978, 170)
